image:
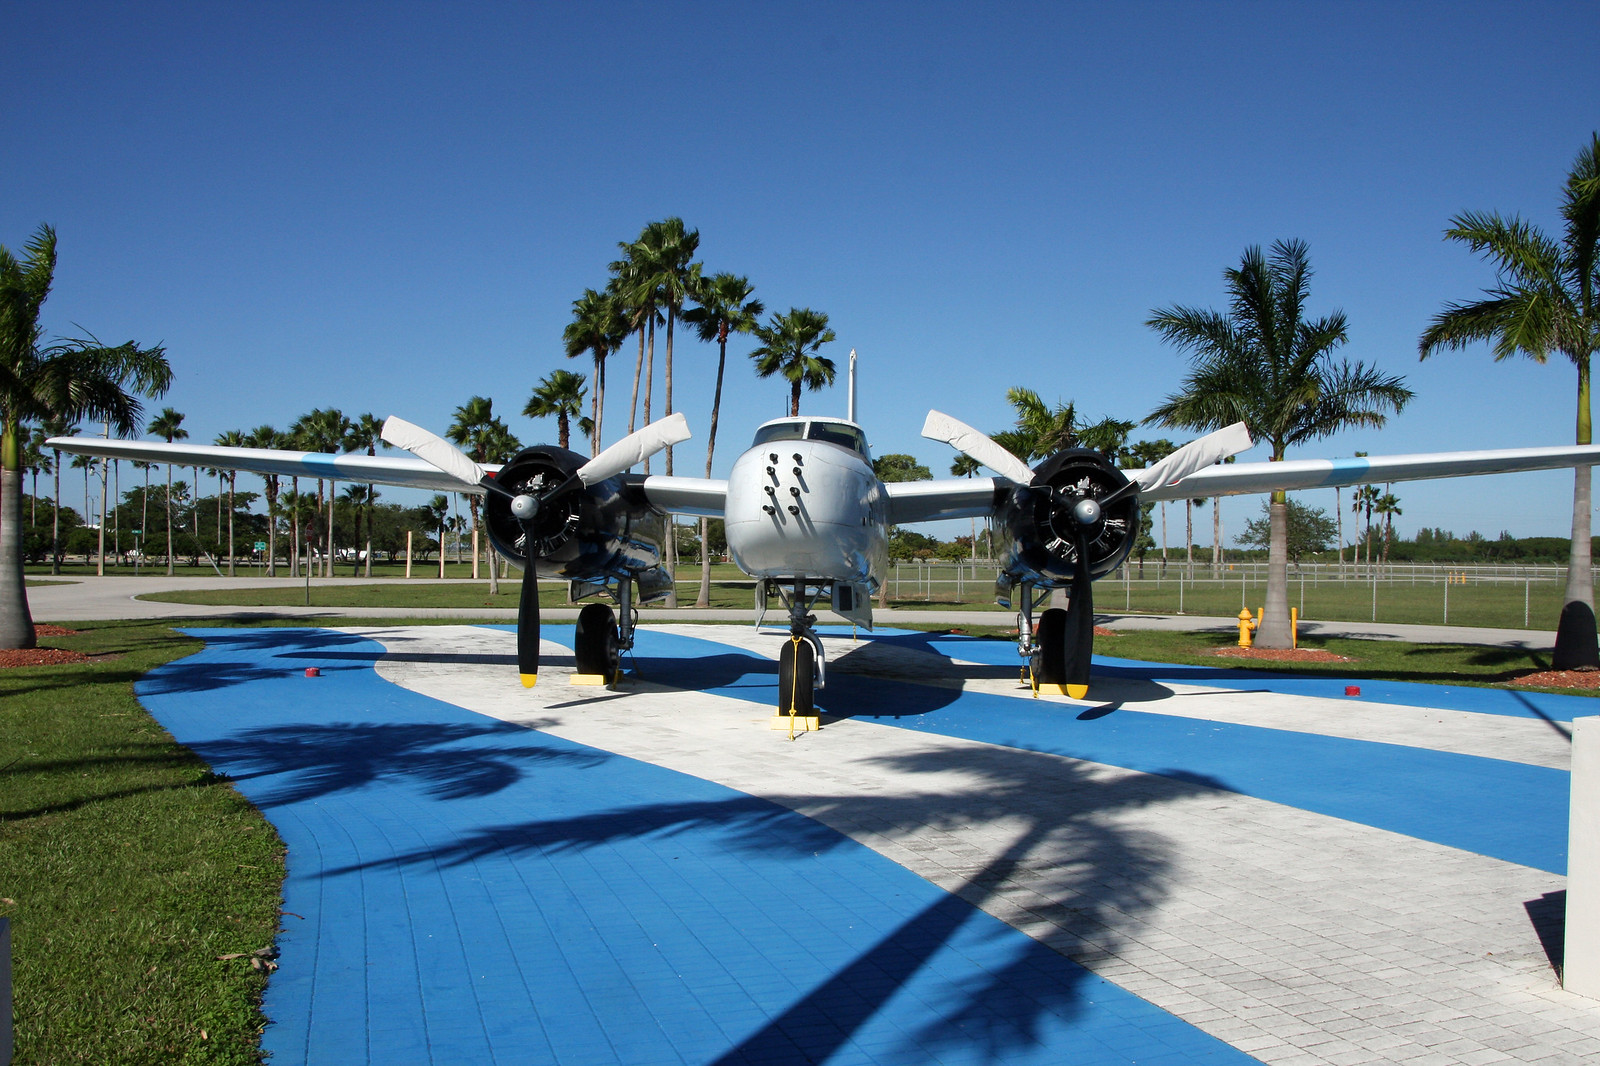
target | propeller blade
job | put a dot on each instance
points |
(634, 448)
(432, 448)
(968, 441)
(528, 626)
(1196, 455)
(1080, 620)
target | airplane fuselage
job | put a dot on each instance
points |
(804, 501)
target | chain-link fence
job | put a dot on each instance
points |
(1509, 596)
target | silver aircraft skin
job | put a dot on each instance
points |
(803, 499)
(808, 518)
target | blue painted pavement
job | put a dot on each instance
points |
(462, 890)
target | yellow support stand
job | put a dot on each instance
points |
(795, 723)
(598, 680)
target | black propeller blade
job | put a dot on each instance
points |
(1080, 617)
(528, 626)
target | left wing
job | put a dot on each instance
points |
(676, 495)
(406, 472)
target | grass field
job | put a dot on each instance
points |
(1506, 605)
(126, 869)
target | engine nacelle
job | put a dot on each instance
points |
(1039, 525)
(605, 531)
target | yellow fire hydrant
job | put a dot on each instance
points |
(1247, 626)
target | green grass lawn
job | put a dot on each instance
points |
(126, 869)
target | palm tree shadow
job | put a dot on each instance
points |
(449, 759)
(1077, 868)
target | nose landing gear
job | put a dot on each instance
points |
(801, 666)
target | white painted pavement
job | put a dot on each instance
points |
(1297, 937)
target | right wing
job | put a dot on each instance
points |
(1297, 474)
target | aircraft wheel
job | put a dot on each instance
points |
(595, 643)
(797, 665)
(1052, 642)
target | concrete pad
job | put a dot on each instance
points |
(1287, 925)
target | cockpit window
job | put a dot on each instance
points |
(844, 436)
(780, 431)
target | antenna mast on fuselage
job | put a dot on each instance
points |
(851, 415)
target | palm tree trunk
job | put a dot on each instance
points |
(270, 484)
(169, 519)
(1275, 631)
(638, 370)
(294, 528)
(1216, 536)
(232, 478)
(1188, 536)
(330, 527)
(704, 599)
(55, 522)
(1576, 642)
(1338, 514)
(649, 380)
(371, 502)
(599, 402)
(16, 623)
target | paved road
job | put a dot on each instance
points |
(118, 597)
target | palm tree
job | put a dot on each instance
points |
(559, 396)
(1544, 301)
(323, 430)
(485, 439)
(726, 306)
(366, 432)
(438, 509)
(1364, 500)
(361, 498)
(169, 426)
(789, 346)
(635, 296)
(36, 461)
(968, 467)
(267, 437)
(1388, 505)
(1265, 365)
(57, 427)
(233, 438)
(599, 327)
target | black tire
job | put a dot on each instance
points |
(797, 666)
(1052, 642)
(594, 647)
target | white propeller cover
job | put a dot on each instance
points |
(634, 448)
(963, 438)
(432, 448)
(1196, 455)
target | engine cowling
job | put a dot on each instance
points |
(1039, 524)
(606, 530)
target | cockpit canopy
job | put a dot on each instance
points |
(827, 430)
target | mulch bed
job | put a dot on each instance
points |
(43, 656)
(1297, 655)
(1560, 679)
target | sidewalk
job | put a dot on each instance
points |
(89, 598)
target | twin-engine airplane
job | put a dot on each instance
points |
(807, 517)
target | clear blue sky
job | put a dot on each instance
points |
(391, 207)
